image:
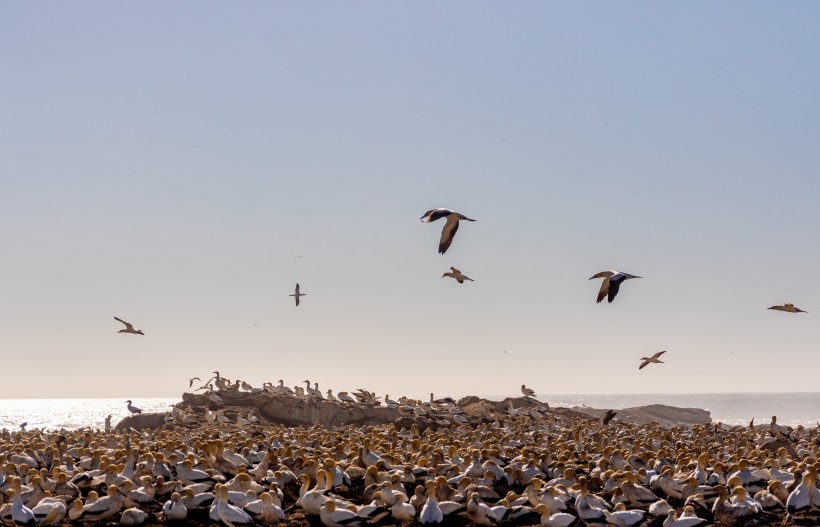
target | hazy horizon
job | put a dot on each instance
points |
(183, 166)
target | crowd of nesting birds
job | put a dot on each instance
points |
(505, 468)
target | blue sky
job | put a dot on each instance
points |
(183, 165)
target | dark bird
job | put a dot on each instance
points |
(651, 360)
(23, 426)
(297, 294)
(191, 381)
(133, 409)
(611, 284)
(608, 416)
(128, 327)
(457, 275)
(449, 229)
(788, 308)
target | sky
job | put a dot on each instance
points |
(182, 165)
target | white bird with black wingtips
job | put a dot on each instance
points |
(129, 328)
(450, 227)
(297, 294)
(611, 284)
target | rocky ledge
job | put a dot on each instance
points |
(294, 411)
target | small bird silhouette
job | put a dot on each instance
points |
(788, 308)
(129, 328)
(457, 275)
(652, 359)
(297, 294)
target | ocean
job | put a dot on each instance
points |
(730, 408)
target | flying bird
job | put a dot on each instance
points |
(789, 308)
(449, 229)
(653, 359)
(608, 416)
(457, 275)
(612, 282)
(191, 381)
(129, 328)
(297, 294)
(133, 409)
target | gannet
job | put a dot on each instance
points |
(132, 516)
(612, 282)
(297, 294)
(331, 517)
(22, 515)
(264, 510)
(49, 511)
(449, 229)
(653, 359)
(224, 511)
(174, 509)
(557, 519)
(128, 327)
(800, 498)
(672, 520)
(430, 511)
(779, 431)
(282, 388)
(789, 308)
(345, 398)
(133, 409)
(528, 392)
(622, 517)
(457, 275)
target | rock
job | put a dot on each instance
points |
(665, 415)
(295, 411)
(142, 421)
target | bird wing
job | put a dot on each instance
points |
(603, 291)
(460, 279)
(448, 232)
(127, 325)
(658, 354)
(643, 364)
(614, 286)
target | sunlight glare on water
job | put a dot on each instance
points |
(71, 414)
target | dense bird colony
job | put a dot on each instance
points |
(438, 464)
